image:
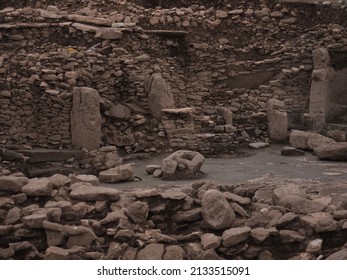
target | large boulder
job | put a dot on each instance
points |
(277, 120)
(101, 159)
(308, 140)
(86, 118)
(159, 95)
(216, 211)
(182, 164)
(333, 151)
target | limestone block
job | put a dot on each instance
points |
(308, 140)
(319, 222)
(85, 178)
(56, 253)
(151, 252)
(159, 95)
(137, 211)
(117, 174)
(235, 236)
(277, 120)
(174, 252)
(216, 211)
(332, 151)
(12, 183)
(87, 192)
(34, 221)
(86, 118)
(182, 164)
(38, 187)
(321, 58)
(210, 241)
(80, 236)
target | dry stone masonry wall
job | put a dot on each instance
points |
(74, 218)
(235, 56)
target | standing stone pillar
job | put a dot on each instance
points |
(159, 95)
(86, 118)
(320, 87)
(277, 120)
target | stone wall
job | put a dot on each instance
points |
(69, 218)
(236, 56)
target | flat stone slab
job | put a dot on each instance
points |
(300, 205)
(235, 236)
(258, 145)
(85, 178)
(49, 155)
(34, 221)
(38, 187)
(91, 193)
(308, 140)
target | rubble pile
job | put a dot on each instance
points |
(73, 217)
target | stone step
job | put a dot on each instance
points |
(51, 155)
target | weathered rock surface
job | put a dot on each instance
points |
(216, 211)
(137, 211)
(182, 164)
(117, 174)
(151, 252)
(340, 255)
(12, 183)
(84, 178)
(210, 241)
(38, 187)
(86, 118)
(234, 236)
(308, 140)
(332, 151)
(159, 95)
(174, 252)
(91, 193)
(258, 145)
(319, 222)
(277, 120)
(300, 205)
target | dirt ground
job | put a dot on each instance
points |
(262, 164)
